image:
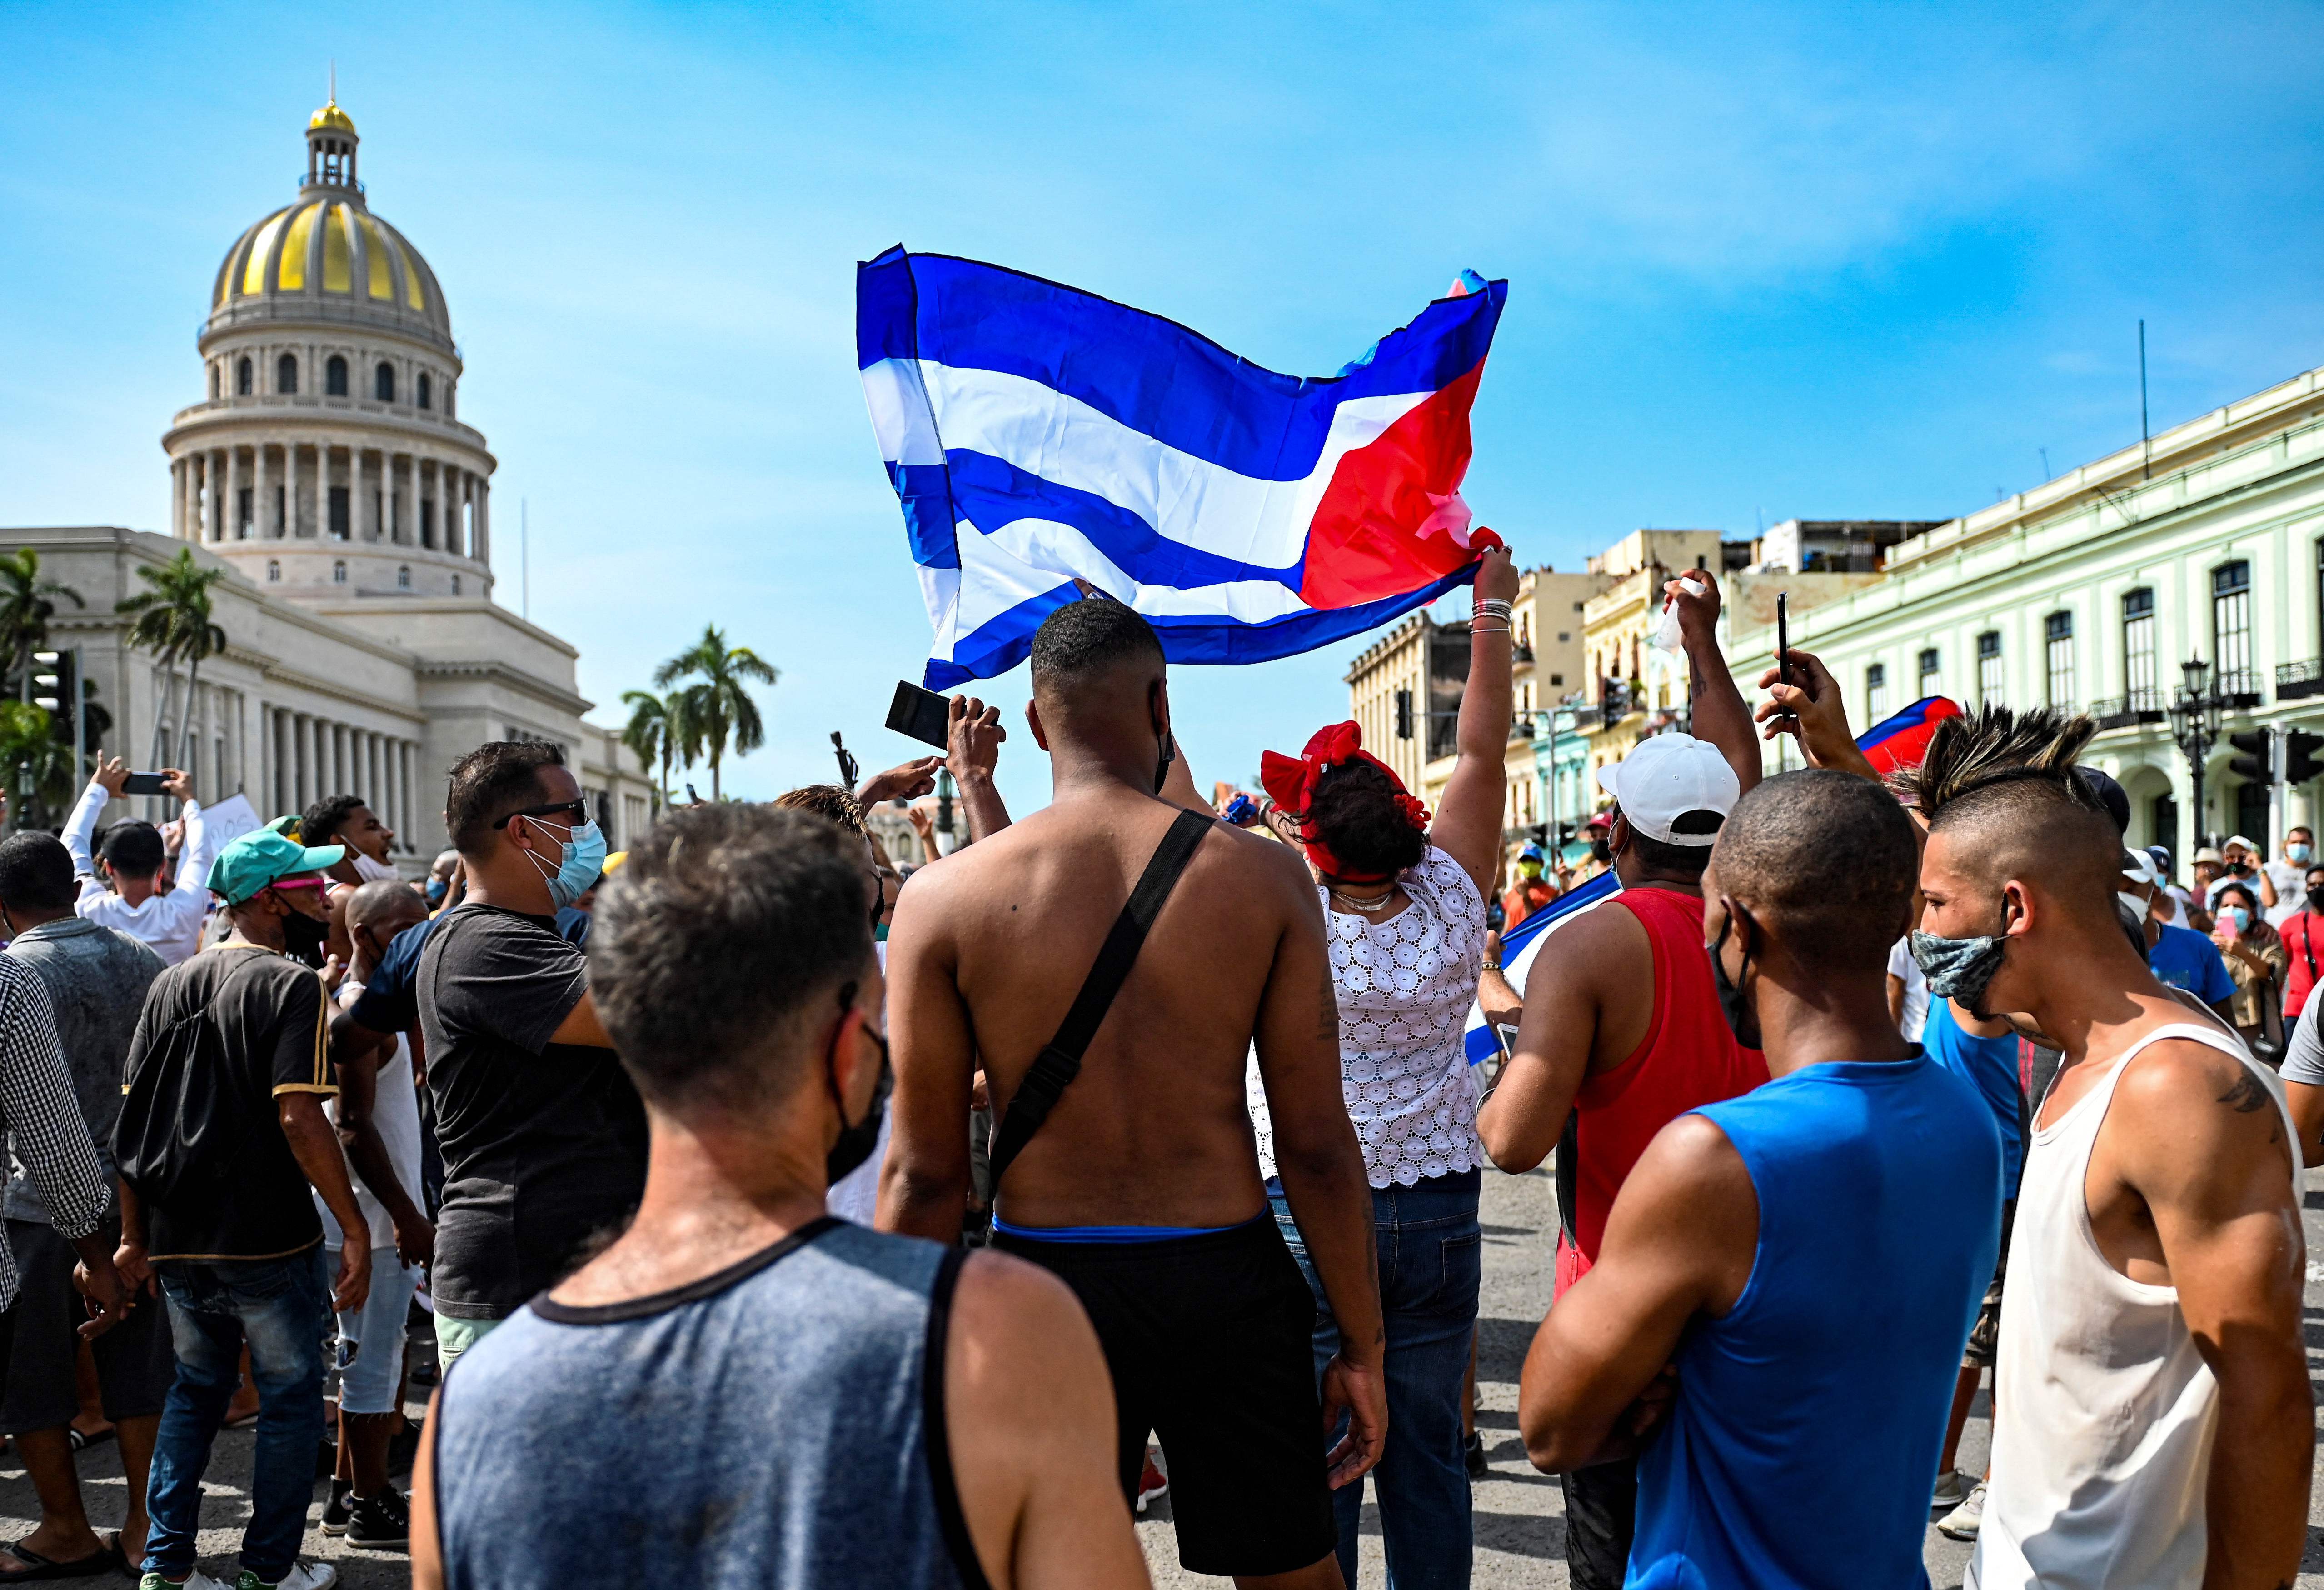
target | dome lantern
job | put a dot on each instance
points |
(331, 143)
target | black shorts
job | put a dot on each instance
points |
(134, 1360)
(1209, 1341)
(1985, 1336)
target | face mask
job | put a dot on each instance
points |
(303, 938)
(1959, 969)
(1599, 851)
(369, 871)
(1529, 870)
(584, 859)
(2316, 900)
(2135, 904)
(438, 888)
(880, 934)
(857, 1139)
(1742, 1017)
(2242, 917)
(1162, 768)
(2300, 852)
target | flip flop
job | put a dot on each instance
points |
(82, 1442)
(37, 1566)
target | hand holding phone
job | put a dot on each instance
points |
(145, 785)
(923, 714)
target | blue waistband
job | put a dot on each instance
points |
(1116, 1233)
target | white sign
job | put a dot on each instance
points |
(227, 821)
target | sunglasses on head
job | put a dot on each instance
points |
(575, 809)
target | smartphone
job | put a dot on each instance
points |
(924, 714)
(1784, 635)
(142, 784)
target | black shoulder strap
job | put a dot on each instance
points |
(1059, 1063)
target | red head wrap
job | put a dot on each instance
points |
(1291, 785)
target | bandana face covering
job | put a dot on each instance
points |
(1959, 969)
(1291, 785)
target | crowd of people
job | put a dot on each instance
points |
(783, 1211)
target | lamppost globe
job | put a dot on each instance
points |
(2197, 673)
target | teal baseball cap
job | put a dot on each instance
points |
(257, 859)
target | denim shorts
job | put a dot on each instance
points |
(370, 1340)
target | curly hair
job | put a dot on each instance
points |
(1355, 811)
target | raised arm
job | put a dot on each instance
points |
(2198, 1136)
(1679, 1241)
(80, 828)
(924, 1182)
(1322, 1166)
(1814, 712)
(973, 751)
(1468, 822)
(1715, 706)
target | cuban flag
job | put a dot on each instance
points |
(1037, 436)
(1894, 743)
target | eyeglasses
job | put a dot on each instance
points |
(577, 810)
(298, 883)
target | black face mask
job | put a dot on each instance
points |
(1599, 851)
(303, 938)
(2316, 900)
(1742, 1016)
(857, 1139)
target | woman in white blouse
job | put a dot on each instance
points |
(1404, 905)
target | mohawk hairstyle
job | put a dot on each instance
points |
(1998, 745)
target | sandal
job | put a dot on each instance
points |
(82, 1440)
(37, 1566)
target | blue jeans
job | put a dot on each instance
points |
(1430, 1259)
(279, 1305)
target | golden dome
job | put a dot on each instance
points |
(332, 117)
(331, 248)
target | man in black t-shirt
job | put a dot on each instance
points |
(225, 1221)
(544, 1138)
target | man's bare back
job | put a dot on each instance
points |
(988, 949)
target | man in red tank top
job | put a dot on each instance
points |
(1622, 1031)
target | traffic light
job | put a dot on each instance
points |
(1404, 715)
(2257, 765)
(2300, 763)
(56, 686)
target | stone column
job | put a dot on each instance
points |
(407, 520)
(298, 760)
(259, 504)
(279, 735)
(230, 521)
(483, 552)
(407, 757)
(372, 789)
(178, 499)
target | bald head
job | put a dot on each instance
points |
(1823, 861)
(388, 905)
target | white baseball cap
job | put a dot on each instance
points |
(2239, 839)
(1665, 777)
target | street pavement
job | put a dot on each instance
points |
(1519, 1526)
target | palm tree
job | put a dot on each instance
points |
(717, 701)
(27, 604)
(649, 737)
(171, 619)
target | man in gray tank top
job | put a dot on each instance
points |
(824, 1405)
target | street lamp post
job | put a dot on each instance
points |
(2195, 712)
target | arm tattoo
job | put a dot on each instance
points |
(2247, 1095)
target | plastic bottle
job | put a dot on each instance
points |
(1667, 636)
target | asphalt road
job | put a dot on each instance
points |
(1519, 1529)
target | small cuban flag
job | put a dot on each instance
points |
(1037, 436)
(1892, 743)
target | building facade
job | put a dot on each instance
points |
(2090, 593)
(324, 468)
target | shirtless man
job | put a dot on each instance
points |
(1142, 1189)
(1621, 1030)
(2159, 1426)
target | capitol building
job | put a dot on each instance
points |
(326, 466)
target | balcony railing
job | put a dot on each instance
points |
(2240, 686)
(2129, 711)
(2295, 680)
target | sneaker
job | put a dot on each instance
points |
(1473, 1455)
(381, 1522)
(1151, 1480)
(337, 1511)
(197, 1580)
(303, 1576)
(1952, 1490)
(1962, 1523)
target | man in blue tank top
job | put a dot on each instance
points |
(800, 1402)
(1772, 1316)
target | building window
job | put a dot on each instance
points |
(378, 515)
(341, 512)
(334, 378)
(214, 381)
(1989, 668)
(273, 572)
(242, 378)
(427, 521)
(2058, 658)
(2139, 694)
(382, 382)
(243, 509)
(281, 511)
(1930, 680)
(403, 579)
(450, 391)
(456, 585)
(338, 574)
(427, 389)
(286, 375)
(1556, 680)
(2231, 625)
(1875, 692)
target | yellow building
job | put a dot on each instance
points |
(1634, 687)
(1552, 663)
(1391, 687)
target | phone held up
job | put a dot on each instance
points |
(923, 714)
(1783, 639)
(144, 784)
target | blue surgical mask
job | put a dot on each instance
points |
(584, 859)
(2300, 852)
(2241, 916)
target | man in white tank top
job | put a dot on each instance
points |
(2159, 1426)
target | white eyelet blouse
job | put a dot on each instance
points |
(1405, 986)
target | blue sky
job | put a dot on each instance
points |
(1836, 261)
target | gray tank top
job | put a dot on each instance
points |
(779, 1426)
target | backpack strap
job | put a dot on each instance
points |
(1061, 1061)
